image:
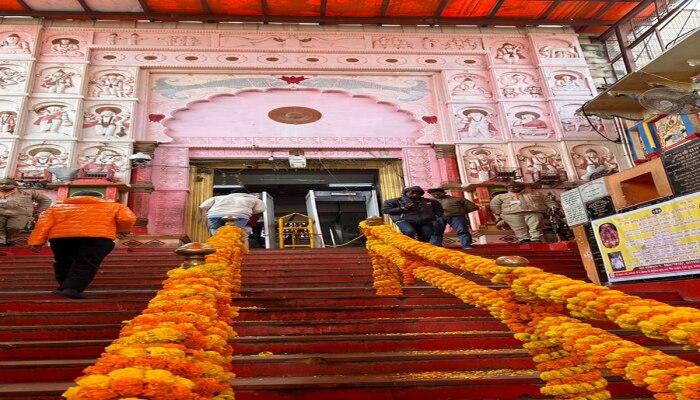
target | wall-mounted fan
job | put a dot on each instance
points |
(666, 100)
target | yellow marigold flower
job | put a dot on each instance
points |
(101, 381)
(71, 392)
(134, 373)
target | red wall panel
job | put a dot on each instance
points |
(239, 7)
(294, 7)
(354, 8)
(175, 6)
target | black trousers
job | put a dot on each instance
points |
(78, 259)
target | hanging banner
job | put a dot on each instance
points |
(660, 240)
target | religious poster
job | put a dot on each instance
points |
(660, 240)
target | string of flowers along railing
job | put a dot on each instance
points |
(567, 354)
(653, 318)
(177, 348)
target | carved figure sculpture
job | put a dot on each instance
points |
(468, 87)
(528, 123)
(516, 85)
(594, 164)
(566, 82)
(8, 121)
(112, 84)
(558, 52)
(542, 161)
(477, 124)
(108, 121)
(482, 166)
(58, 81)
(510, 53)
(14, 44)
(52, 118)
(66, 47)
(9, 77)
(34, 166)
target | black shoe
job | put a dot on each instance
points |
(71, 293)
(536, 241)
(523, 241)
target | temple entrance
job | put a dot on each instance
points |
(337, 194)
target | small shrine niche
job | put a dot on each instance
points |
(102, 162)
(569, 83)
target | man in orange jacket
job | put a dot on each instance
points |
(81, 232)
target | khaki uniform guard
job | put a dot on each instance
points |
(522, 211)
(16, 208)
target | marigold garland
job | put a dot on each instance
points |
(569, 353)
(177, 348)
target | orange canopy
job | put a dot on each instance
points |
(593, 16)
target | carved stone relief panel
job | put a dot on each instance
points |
(537, 160)
(569, 82)
(468, 85)
(529, 121)
(509, 51)
(98, 159)
(560, 50)
(483, 162)
(35, 158)
(575, 125)
(51, 119)
(16, 42)
(420, 166)
(6, 150)
(9, 109)
(13, 77)
(593, 160)
(106, 121)
(111, 83)
(64, 44)
(477, 122)
(519, 84)
(287, 40)
(57, 79)
(167, 39)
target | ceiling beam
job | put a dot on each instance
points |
(495, 8)
(264, 8)
(440, 8)
(324, 5)
(23, 4)
(600, 13)
(302, 19)
(385, 7)
(144, 5)
(84, 5)
(630, 15)
(551, 9)
(205, 6)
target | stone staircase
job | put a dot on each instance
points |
(310, 328)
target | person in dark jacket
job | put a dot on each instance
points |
(413, 214)
(456, 209)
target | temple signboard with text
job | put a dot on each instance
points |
(652, 242)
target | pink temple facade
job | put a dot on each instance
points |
(74, 96)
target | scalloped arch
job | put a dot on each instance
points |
(245, 113)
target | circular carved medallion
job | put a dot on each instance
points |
(294, 115)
